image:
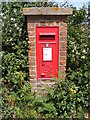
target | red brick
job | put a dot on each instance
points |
(31, 39)
(62, 38)
(31, 53)
(30, 43)
(63, 63)
(32, 68)
(30, 33)
(63, 33)
(31, 63)
(30, 28)
(32, 81)
(63, 18)
(63, 44)
(62, 76)
(63, 28)
(30, 25)
(32, 76)
(63, 24)
(57, 23)
(32, 72)
(51, 23)
(63, 53)
(31, 49)
(63, 48)
(63, 58)
(42, 23)
(31, 58)
(62, 68)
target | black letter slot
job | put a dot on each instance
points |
(47, 36)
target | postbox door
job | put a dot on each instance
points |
(47, 60)
(47, 52)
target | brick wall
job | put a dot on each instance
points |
(32, 22)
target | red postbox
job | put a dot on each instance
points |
(47, 51)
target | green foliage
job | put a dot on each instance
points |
(15, 60)
(62, 97)
(78, 16)
(77, 58)
(17, 97)
(18, 101)
(14, 39)
(41, 4)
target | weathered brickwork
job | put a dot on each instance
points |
(32, 22)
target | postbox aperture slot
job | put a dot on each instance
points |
(47, 36)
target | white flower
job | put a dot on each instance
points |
(20, 29)
(11, 18)
(83, 57)
(15, 24)
(73, 42)
(17, 28)
(72, 50)
(84, 51)
(87, 49)
(11, 39)
(76, 52)
(75, 48)
(4, 17)
(1, 14)
(15, 10)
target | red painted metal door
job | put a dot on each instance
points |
(47, 52)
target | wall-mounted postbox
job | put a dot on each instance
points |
(47, 51)
(47, 33)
